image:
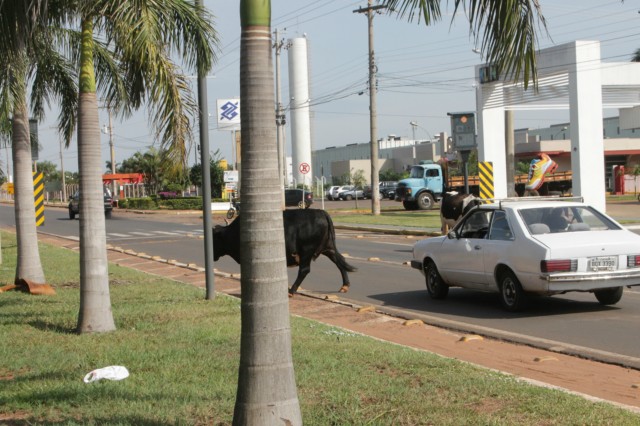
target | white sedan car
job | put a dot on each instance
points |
(517, 248)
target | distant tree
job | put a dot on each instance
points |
(49, 170)
(132, 164)
(522, 167)
(108, 167)
(635, 172)
(358, 179)
(390, 175)
(216, 172)
(636, 56)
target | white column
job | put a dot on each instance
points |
(587, 145)
(300, 118)
(490, 122)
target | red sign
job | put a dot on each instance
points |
(304, 168)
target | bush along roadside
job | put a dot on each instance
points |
(155, 203)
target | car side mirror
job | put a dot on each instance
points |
(452, 235)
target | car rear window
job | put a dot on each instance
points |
(551, 220)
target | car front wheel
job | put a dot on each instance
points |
(425, 201)
(609, 296)
(512, 296)
(436, 288)
(72, 215)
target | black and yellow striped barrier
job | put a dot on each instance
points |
(38, 197)
(485, 172)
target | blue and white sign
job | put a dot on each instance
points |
(228, 112)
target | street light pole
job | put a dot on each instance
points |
(203, 118)
(113, 155)
(64, 184)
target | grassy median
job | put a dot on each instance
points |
(182, 353)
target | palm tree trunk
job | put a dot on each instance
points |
(95, 301)
(266, 384)
(28, 263)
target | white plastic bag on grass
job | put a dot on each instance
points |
(114, 372)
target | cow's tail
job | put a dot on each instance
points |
(342, 262)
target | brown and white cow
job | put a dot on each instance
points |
(308, 233)
(453, 206)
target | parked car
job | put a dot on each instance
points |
(388, 189)
(341, 190)
(367, 193)
(332, 193)
(351, 194)
(521, 248)
(74, 203)
(295, 197)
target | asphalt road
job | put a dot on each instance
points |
(574, 323)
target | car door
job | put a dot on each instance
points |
(497, 246)
(462, 259)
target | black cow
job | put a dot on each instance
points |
(453, 206)
(307, 234)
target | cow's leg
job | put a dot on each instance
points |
(339, 261)
(303, 271)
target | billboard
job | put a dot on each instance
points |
(228, 113)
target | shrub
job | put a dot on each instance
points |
(145, 203)
(185, 203)
(165, 195)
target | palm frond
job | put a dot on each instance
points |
(420, 10)
(509, 38)
(506, 30)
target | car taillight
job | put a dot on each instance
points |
(633, 260)
(562, 265)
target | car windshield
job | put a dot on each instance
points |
(550, 220)
(416, 172)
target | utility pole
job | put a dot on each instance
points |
(373, 113)
(280, 118)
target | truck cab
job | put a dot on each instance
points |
(423, 188)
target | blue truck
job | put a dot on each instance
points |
(423, 188)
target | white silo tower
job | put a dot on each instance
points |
(299, 107)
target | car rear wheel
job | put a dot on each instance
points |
(301, 204)
(348, 197)
(107, 214)
(436, 288)
(609, 296)
(512, 296)
(72, 215)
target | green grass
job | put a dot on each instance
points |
(183, 352)
(407, 219)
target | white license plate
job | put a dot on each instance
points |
(603, 263)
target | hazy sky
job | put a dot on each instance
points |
(423, 72)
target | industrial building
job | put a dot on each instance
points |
(621, 147)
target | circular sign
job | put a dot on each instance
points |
(463, 119)
(304, 168)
